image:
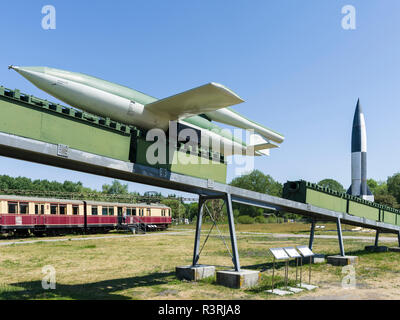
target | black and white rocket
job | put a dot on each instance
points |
(359, 185)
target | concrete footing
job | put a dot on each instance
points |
(280, 292)
(195, 273)
(238, 279)
(295, 290)
(394, 249)
(376, 248)
(342, 260)
(307, 286)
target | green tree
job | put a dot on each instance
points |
(377, 187)
(259, 182)
(116, 187)
(387, 200)
(177, 208)
(22, 183)
(217, 209)
(191, 210)
(332, 184)
(393, 186)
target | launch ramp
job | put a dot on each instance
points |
(17, 145)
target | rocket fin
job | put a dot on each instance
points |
(264, 152)
(259, 146)
(209, 97)
(230, 117)
(369, 192)
(258, 142)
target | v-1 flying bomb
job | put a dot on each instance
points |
(195, 108)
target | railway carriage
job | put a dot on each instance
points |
(22, 215)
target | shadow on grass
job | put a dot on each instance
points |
(104, 290)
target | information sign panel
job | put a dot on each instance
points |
(279, 253)
(292, 252)
(305, 251)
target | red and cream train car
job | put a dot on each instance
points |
(38, 215)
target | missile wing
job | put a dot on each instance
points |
(206, 98)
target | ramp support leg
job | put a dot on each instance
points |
(198, 230)
(340, 237)
(398, 237)
(376, 238)
(310, 244)
(235, 254)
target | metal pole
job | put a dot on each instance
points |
(376, 238)
(235, 254)
(340, 237)
(309, 271)
(286, 273)
(297, 264)
(301, 269)
(198, 230)
(273, 273)
(310, 244)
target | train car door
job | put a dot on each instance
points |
(39, 212)
(119, 213)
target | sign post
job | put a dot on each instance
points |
(279, 254)
(306, 253)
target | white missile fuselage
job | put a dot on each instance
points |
(94, 100)
(129, 106)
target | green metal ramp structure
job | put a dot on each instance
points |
(39, 131)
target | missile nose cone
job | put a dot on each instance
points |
(358, 106)
(24, 70)
(13, 67)
(357, 120)
(358, 137)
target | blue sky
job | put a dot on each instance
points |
(298, 70)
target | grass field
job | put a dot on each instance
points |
(143, 266)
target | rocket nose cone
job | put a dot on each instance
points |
(28, 69)
(358, 107)
(357, 115)
(35, 75)
(13, 67)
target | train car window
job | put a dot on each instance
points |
(128, 211)
(94, 210)
(104, 211)
(134, 211)
(12, 207)
(23, 208)
(111, 211)
(39, 208)
(148, 212)
(75, 210)
(53, 209)
(163, 212)
(63, 208)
